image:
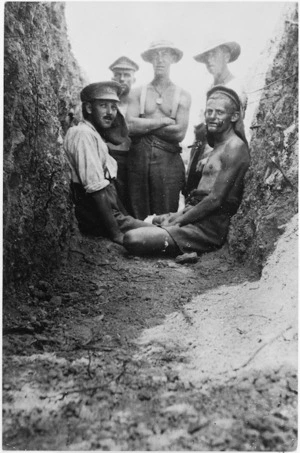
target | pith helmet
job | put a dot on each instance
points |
(157, 45)
(233, 47)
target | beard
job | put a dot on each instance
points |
(125, 89)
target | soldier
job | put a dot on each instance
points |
(202, 226)
(216, 56)
(124, 70)
(93, 170)
(157, 118)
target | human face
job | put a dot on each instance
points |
(125, 77)
(219, 115)
(103, 113)
(162, 60)
(216, 61)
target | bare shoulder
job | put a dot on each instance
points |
(236, 150)
(134, 94)
(185, 98)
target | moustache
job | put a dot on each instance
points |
(215, 123)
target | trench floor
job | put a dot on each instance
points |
(123, 353)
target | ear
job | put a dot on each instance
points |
(235, 117)
(88, 108)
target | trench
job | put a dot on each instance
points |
(106, 351)
(127, 353)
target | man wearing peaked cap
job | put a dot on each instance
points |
(216, 55)
(101, 90)
(93, 170)
(157, 118)
(123, 72)
(202, 226)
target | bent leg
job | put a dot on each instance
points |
(150, 241)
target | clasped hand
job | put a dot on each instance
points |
(169, 219)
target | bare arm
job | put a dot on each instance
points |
(138, 125)
(177, 131)
(234, 164)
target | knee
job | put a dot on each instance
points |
(132, 242)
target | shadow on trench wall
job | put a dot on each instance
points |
(41, 83)
(271, 185)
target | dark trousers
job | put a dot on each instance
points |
(121, 182)
(88, 217)
(156, 175)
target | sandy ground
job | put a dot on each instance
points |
(125, 353)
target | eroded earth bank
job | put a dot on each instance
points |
(106, 351)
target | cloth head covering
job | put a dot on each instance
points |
(229, 92)
(147, 55)
(110, 90)
(238, 126)
(124, 63)
(233, 47)
(118, 132)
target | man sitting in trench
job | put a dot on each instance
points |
(203, 224)
(93, 171)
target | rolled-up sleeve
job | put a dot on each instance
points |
(89, 162)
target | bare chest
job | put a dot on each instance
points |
(211, 164)
(159, 102)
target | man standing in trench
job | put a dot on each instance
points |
(157, 118)
(93, 170)
(203, 224)
(216, 56)
(124, 70)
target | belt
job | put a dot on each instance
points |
(157, 142)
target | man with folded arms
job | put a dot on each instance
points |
(157, 118)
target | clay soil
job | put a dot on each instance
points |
(123, 353)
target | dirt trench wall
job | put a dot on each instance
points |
(271, 185)
(41, 84)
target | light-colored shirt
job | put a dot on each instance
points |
(87, 153)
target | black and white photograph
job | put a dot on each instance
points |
(150, 226)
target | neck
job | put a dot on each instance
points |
(161, 80)
(224, 77)
(124, 99)
(223, 136)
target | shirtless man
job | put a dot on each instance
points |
(157, 118)
(203, 224)
(123, 70)
(216, 56)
